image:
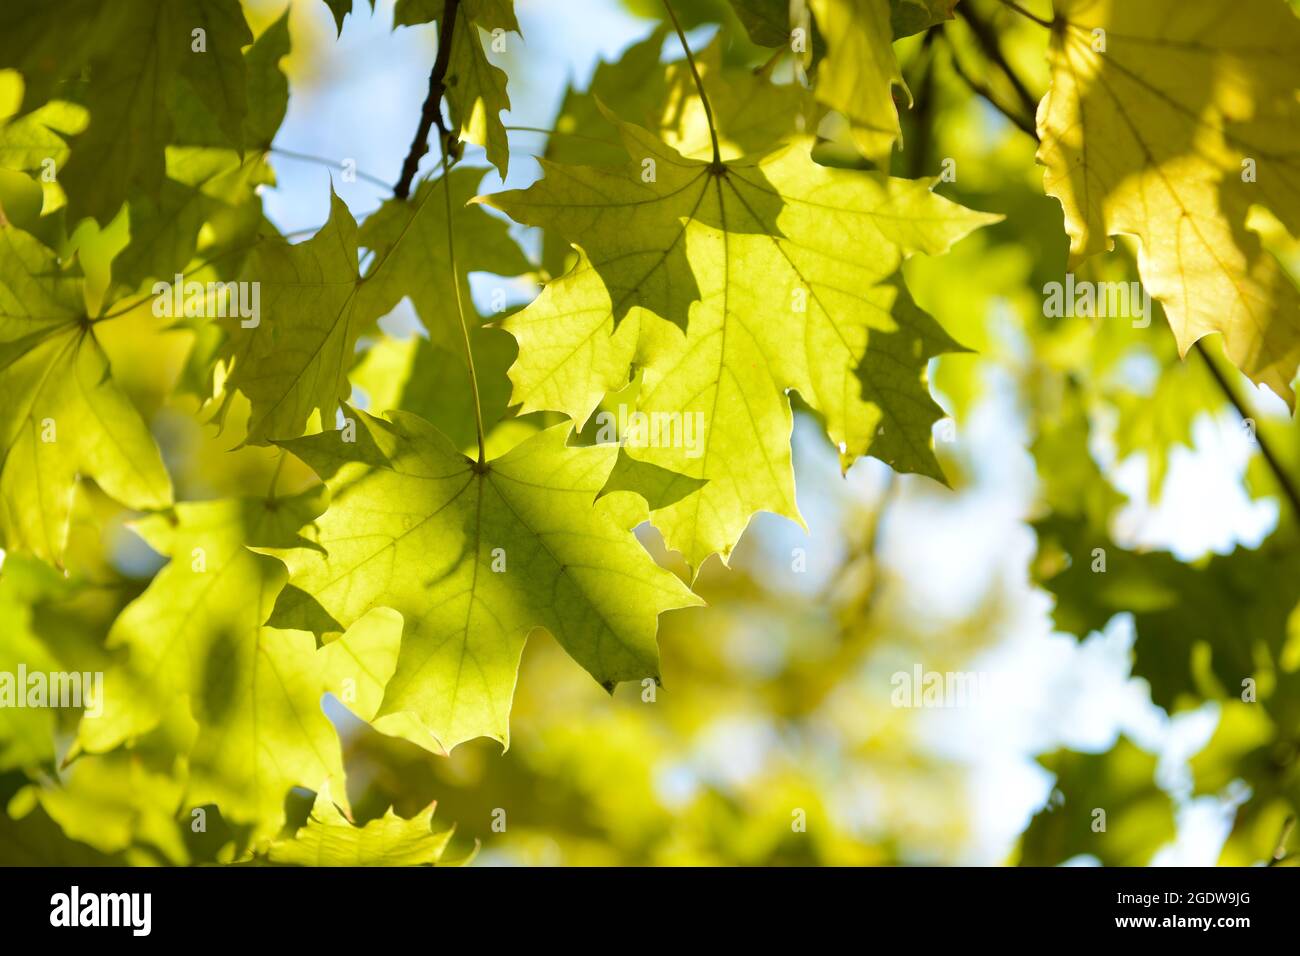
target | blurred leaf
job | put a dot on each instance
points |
(1103, 805)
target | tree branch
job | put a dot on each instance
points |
(431, 112)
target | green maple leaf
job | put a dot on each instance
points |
(907, 17)
(61, 415)
(1139, 815)
(859, 72)
(315, 303)
(292, 364)
(473, 558)
(137, 55)
(207, 182)
(781, 272)
(197, 633)
(417, 376)
(120, 800)
(1153, 113)
(1248, 745)
(410, 241)
(1201, 630)
(26, 733)
(329, 838)
(475, 89)
(750, 113)
(766, 21)
(340, 9)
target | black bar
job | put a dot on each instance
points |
(299, 906)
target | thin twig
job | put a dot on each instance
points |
(1284, 478)
(985, 93)
(918, 151)
(1025, 13)
(988, 42)
(431, 112)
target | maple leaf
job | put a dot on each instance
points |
(118, 800)
(1200, 630)
(291, 360)
(315, 303)
(137, 54)
(859, 72)
(26, 733)
(207, 182)
(417, 376)
(782, 274)
(907, 17)
(61, 414)
(766, 21)
(340, 9)
(197, 633)
(750, 113)
(475, 89)
(473, 558)
(329, 838)
(1154, 115)
(1139, 815)
(413, 256)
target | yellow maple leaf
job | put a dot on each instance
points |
(1167, 120)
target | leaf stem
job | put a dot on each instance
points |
(431, 112)
(460, 310)
(1284, 479)
(699, 85)
(1280, 854)
(431, 115)
(554, 132)
(275, 477)
(766, 68)
(309, 158)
